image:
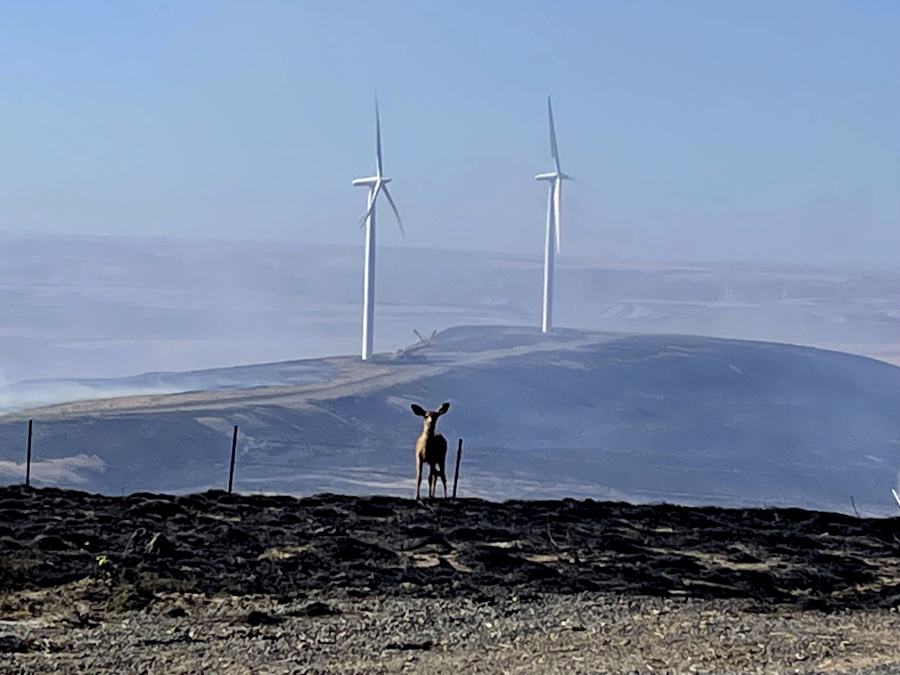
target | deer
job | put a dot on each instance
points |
(431, 448)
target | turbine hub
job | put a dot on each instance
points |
(370, 181)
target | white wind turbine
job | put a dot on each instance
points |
(553, 211)
(376, 184)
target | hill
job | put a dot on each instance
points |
(575, 414)
(77, 307)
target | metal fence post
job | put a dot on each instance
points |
(28, 455)
(233, 448)
(456, 475)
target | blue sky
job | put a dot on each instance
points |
(696, 130)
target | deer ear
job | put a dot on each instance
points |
(444, 408)
(418, 410)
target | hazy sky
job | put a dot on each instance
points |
(696, 130)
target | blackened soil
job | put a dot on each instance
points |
(215, 542)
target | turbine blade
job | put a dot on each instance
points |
(396, 212)
(371, 209)
(557, 202)
(378, 139)
(554, 149)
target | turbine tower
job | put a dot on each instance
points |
(376, 184)
(555, 178)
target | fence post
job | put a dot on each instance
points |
(456, 475)
(233, 448)
(28, 456)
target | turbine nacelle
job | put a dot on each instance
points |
(377, 183)
(553, 176)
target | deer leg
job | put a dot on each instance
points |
(444, 480)
(419, 463)
(431, 481)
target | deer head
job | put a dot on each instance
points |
(430, 416)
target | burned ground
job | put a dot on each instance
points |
(286, 547)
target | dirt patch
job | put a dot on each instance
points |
(581, 634)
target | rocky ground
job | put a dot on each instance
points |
(226, 583)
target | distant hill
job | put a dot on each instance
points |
(644, 418)
(78, 306)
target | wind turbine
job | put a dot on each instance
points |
(376, 184)
(553, 210)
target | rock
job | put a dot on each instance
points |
(159, 546)
(50, 542)
(133, 545)
(408, 646)
(162, 509)
(257, 618)
(316, 609)
(12, 644)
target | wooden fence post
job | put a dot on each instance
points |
(456, 475)
(233, 448)
(28, 456)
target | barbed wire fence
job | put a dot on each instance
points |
(264, 444)
(272, 442)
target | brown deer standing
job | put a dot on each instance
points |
(431, 448)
